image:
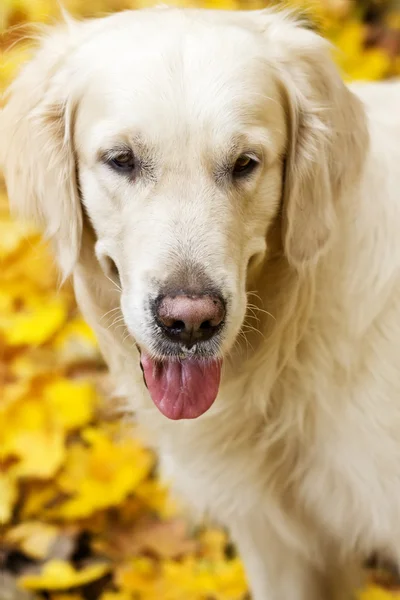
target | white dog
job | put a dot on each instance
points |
(209, 177)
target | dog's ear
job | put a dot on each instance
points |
(37, 147)
(327, 135)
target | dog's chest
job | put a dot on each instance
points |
(310, 466)
(237, 460)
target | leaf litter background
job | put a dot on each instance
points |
(82, 513)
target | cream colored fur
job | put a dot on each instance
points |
(300, 454)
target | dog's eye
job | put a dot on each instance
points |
(123, 161)
(244, 165)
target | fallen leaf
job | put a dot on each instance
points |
(376, 593)
(73, 402)
(164, 539)
(35, 326)
(157, 497)
(101, 474)
(33, 435)
(60, 575)
(38, 496)
(115, 596)
(168, 539)
(34, 539)
(213, 543)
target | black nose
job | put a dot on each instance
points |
(188, 318)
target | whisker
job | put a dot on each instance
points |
(115, 285)
(246, 328)
(110, 311)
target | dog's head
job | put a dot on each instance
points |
(181, 136)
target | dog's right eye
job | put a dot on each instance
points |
(124, 162)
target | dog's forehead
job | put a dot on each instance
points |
(175, 71)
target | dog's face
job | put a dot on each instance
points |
(182, 137)
(180, 149)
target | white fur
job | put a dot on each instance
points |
(300, 454)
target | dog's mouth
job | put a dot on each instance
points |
(184, 388)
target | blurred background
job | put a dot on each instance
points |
(83, 515)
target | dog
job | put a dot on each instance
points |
(229, 211)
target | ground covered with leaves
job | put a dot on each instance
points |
(82, 513)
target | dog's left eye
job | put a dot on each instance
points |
(124, 161)
(244, 165)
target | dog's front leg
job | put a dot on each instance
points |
(274, 570)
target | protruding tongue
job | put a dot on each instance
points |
(182, 390)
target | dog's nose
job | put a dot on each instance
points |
(190, 319)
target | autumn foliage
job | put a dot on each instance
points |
(82, 512)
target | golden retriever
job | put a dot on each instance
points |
(212, 185)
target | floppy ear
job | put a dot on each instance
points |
(37, 148)
(327, 137)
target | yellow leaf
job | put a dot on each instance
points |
(31, 434)
(60, 575)
(139, 575)
(213, 542)
(35, 539)
(8, 497)
(375, 593)
(189, 578)
(11, 393)
(114, 596)
(101, 475)
(41, 453)
(36, 498)
(13, 294)
(156, 497)
(72, 402)
(36, 327)
(39, 363)
(31, 263)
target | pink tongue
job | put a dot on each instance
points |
(182, 390)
